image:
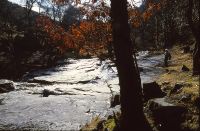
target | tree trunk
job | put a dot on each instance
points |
(196, 61)
(196, 33)
(132, 116)
(157, 33)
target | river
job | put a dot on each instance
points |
(79, 91)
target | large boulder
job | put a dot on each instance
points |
(152, 90)
(6, 86)
(166, 116)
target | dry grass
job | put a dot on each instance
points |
(190, 83)
(175, 75)
(91, 125)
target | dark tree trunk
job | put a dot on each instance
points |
(157, 33)
(196, 60)
(132, 116)
(195, 27)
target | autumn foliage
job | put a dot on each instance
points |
(86, 37)
(137, 17)
(57, 34)
(93, 34)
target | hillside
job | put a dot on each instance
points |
(15, 14)
(21, 43)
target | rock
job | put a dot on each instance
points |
(88, 111)
(186, 49)
(1, 101)
(100, 126)
(43, 82)
(58, 89)
(166, 88)
(172, 71)
(6, 86)
(168, 116)
(185, 68)
(152, 90)
(165, 83)
(141, 69)
(84, 82)
(197, 102)
(47, 92)
(110, 117)
(167, 70)
(157, 103)
(115, 100)
(89, 70)
(99, 64)
(177, 87)
(61, 62)
(111, 65)
(185, 98)
(36, 57)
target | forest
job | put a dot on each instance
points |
(100, 65)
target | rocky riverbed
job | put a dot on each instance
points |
(67, 96)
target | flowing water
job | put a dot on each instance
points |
(80, 89)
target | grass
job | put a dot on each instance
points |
(175, 75)
(97, 124)
(190, 83)
(110, 124)
(91, 125)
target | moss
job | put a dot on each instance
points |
(98, 124)
(110, 124)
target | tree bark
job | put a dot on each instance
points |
(132, 116)
(196, 34)
(157, 33)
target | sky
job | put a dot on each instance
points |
(35, 7)
(22, 3)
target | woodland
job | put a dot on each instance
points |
(98, 65)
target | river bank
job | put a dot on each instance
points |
(21, 58)
(178, 110)
(182, 87)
